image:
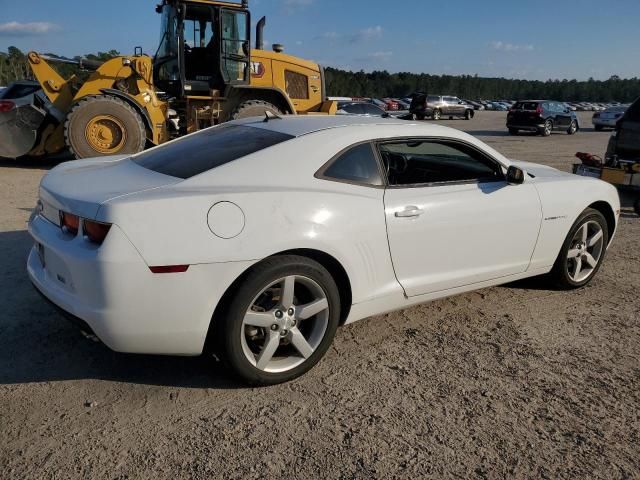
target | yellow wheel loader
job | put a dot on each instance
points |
(203, 73)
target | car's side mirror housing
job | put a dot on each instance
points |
(515, 175)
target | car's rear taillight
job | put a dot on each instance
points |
(70, 223)
(6, 106)
(538, 109)
(95, 231)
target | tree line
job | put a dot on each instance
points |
(15, 66)
(380, 84)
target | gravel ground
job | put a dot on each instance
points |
(516, 381)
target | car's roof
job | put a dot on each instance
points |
(298, 125)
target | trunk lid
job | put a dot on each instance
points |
(81, 186)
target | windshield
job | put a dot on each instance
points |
(208, 149)
(166, 64)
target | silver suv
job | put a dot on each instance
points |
(444, 106)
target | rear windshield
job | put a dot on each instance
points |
(18, 91)
(525, 106)
(208, 149)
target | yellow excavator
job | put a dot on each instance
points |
(204, 72)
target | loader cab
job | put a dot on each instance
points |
(203, 47)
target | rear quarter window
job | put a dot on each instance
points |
(208, 149)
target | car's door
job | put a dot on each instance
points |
(450, 106)
(452, 219)
(563, 115)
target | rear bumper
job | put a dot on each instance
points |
(112, 290)
(605, 122)
(531, 127)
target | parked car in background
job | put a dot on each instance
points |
(499, 106)
(391, 104)
(360, 108)
(474, 104)
(379, 103)
(542, 116)
(23, 106)
(608, 118)
(438, 106)
(625, 140)
(402, 105)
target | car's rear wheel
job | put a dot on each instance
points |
(420, 116)
(513, 131)
(582, 252)
(281, 321)
(573, 128)
(437, 114)
(547, 128)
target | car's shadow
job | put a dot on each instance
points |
(38, 345)
(46, 162)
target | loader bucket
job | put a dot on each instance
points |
(19, 129)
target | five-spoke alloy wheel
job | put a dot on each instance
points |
(583, 251)
(281, 321)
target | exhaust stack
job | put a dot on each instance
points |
(259, 33)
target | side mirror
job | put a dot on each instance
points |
(515, 175)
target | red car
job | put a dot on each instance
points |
(391, 104)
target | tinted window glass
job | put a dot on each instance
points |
(433, 98)
(357, 164)
(208, 149)
(453, 100)
(18, 91)
(525, 106)
(372, 109)
(420, 162)
(353, 108)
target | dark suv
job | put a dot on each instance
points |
(542, 116)
(625, 141)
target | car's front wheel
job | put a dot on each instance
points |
(281, 320)
(582, 252)
(573, 128)
(468, 114)
(436, 114)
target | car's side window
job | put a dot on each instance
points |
(419, 162)
(356, 165)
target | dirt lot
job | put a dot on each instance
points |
(517, 381)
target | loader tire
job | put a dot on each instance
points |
(104, 125)
(253, 108)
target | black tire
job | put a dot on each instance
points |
(573, 127)
(468, 114)
(559, 274)
(437, 114)
(253, 108)
(513, 131)
(228, 328)
(636, 206)
(598, 128)
(547, 129)
(118, 115)
(420, 116)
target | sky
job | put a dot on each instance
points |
(545, 39)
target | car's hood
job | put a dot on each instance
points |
(81, 186)
(537, 170)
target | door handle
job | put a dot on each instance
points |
(410, 211)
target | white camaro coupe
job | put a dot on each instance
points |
(258, 238)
